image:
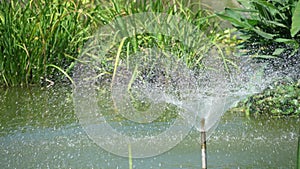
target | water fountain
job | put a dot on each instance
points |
(39, 129)
(144, 85)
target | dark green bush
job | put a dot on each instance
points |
(281, 100)
(268, 28)
(270, 33)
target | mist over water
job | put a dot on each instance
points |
(43, 131)
(209, 92)
(154, 82)
(148, 82)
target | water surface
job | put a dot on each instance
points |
(39, 129)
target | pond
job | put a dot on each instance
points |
(39, 129)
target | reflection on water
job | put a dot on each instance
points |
(38, 129)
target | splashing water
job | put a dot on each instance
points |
(148, 80)
(146, 84)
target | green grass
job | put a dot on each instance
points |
(35, 34)
(41, 40)
(191, 52)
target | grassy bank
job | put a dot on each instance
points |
(41, 40)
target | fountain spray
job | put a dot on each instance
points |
(203, 144)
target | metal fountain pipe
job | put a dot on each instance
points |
(203, 144)
(298, 152)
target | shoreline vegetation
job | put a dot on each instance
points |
(39, 36)
(41, 40)
(270, 33)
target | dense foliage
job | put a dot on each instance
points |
(38, 37)
(41, 40)
(268, 28)
(270, 33)
(280, 100)
(203, 20)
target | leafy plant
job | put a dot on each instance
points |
(268, 28)
(270, 33)
(201, 19)
(281, 100)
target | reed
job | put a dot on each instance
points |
(40, 40)
(34, 34)
(204, 20)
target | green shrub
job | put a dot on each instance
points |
(281, 100)
(270, 33)
(268, 28)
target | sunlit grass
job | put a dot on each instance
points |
(40, 40)
(34, 34)
(191, 51)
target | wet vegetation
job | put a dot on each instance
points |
(270, 33)
(268, 28)
(278, 101)
(40, 40)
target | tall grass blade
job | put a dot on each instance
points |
(118, 57)
(62, 71)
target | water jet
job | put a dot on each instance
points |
(147, 83)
